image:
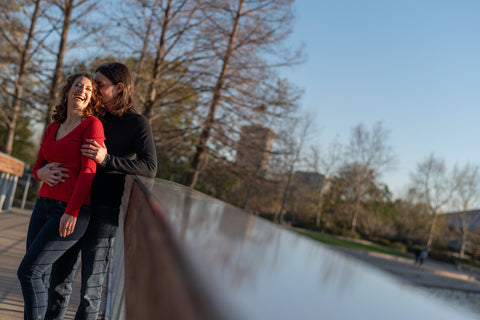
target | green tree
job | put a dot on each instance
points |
(410, 220)
(23, 147)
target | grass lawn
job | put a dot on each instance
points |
(352, 244)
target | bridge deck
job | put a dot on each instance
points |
(13, 233)
(13, 229)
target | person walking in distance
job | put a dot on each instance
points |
(129, 149)
(61, 213)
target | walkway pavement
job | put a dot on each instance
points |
(433, 274)
(13, 233)
(13, 230)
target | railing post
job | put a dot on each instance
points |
(25, 190)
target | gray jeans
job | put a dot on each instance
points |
(44, 247)
(94, 247)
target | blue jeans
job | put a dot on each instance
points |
(44, 247)
(94, 247)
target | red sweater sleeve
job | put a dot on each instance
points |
(81, 191)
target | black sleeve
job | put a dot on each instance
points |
(145, 162)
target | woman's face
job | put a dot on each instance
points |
(80, 93)
(107, 89)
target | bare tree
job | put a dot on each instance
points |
(13, 29)
(10, 113)
(64, 23)
(177, 20)
(160, 45)
(66, 8)
(232, 39)
(31, 63)
(368, 154)
(433, 186)
(293, 156)
(163, 46)
(466, 193)
(326, 164)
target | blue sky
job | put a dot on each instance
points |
(413, 65)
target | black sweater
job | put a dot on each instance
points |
(130, 145)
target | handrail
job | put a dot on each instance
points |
(189, 256)
(10, 170)
(11, 165)
(153, 277)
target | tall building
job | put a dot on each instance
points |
(254, 146)
(312, 180)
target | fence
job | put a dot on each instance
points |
(10, 170)
(181, 255)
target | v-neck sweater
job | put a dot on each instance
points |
(66, 150)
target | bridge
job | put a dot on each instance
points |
(183, 255)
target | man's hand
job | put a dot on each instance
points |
(52, 173)
(94, 151)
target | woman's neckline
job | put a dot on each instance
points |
(69, 129)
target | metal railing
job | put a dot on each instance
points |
(180, 254)
(10, 170)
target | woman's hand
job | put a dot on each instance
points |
(67, 225)
(94, 151)
(52, 173)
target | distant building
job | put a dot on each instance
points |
(472, 218)
(312, 180)
(454, 222)
(254, 146)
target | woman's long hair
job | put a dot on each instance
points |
(94, 107)
(118, 72)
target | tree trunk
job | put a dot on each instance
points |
(355, 215)
(285, 196)
(358, 199)
(201, 150)
(57, 74)
(17, 98)
(318, 220)
(432, 229)
(159, 59)
(146, 39)
(464, 235)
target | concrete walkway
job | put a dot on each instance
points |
(13, 233)
(435, 279)
(433, 274)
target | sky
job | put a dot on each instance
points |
(413, 65)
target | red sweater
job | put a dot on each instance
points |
(76, 188)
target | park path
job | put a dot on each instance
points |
(13, 233)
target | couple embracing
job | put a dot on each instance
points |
(95, 139)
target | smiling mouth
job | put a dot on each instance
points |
(80, 98)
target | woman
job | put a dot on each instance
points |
(61, 213)
(129, 149)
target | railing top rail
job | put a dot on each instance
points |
(254, 269)
(11, 165)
